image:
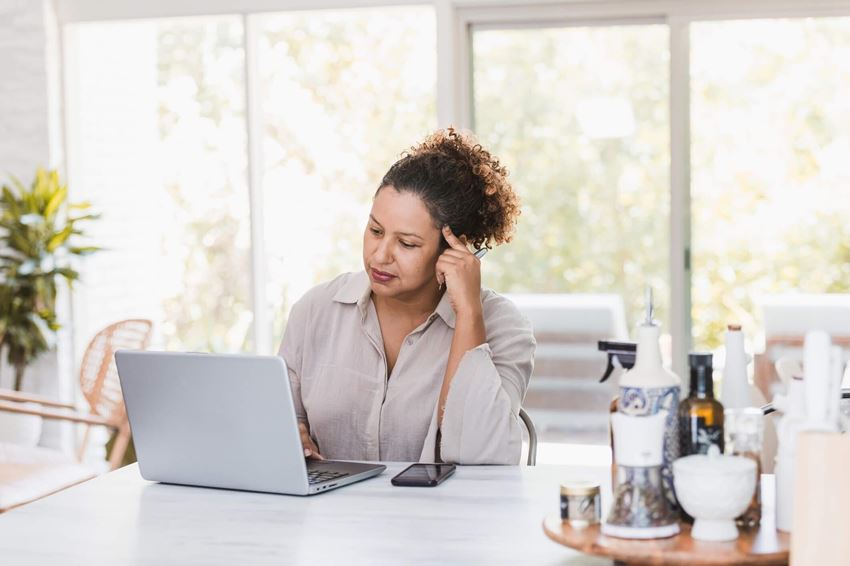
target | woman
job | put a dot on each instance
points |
(410, 359)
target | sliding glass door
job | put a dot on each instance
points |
(580, 117)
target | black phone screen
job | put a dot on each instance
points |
(423, 475)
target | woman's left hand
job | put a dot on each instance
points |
(460, 270)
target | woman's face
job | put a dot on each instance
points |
(400, 246)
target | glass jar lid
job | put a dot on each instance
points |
(580, 488)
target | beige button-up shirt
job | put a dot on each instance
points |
(338, 374)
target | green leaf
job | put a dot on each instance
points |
(41, 185)
(38, 338)
(68, 273)
(20, 243)
(83, 217)
(20, 186)
(84, 250)
(11, 202)
(30, 201)
(59, 238)
(55, 201)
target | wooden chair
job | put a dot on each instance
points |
(787, 318)
(564, 394)
(26, 473)
(777, 347)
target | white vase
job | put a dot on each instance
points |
(20, 429)
(735, 392)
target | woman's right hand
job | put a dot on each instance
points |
(311, 451)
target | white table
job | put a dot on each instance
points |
(483, 514)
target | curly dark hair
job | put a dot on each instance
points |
(461, 184)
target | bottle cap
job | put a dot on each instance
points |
(734, 327)
(699, 359)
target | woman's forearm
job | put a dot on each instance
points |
(469, 333)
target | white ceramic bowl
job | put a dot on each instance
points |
(714, 489)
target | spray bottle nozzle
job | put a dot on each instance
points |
(620, 354)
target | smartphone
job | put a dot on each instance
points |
(423, 475)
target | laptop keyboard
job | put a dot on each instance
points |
(319, 476)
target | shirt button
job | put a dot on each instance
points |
(410, 341)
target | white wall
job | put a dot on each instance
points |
(24, 131)
(31, 136)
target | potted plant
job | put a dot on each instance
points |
(39, 233)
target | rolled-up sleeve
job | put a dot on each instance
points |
(292, 351)
(481, 420)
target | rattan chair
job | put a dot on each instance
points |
(102, 392)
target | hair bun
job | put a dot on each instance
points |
(462, 184)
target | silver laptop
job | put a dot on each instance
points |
(222, 421)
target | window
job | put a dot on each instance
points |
(158, 142)
(157, 127)
(343, 94)
(770, 175)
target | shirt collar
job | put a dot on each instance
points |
(445, 311)
(357, 290)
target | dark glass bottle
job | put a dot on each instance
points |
(700, 415)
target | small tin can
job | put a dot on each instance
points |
(580, 504)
